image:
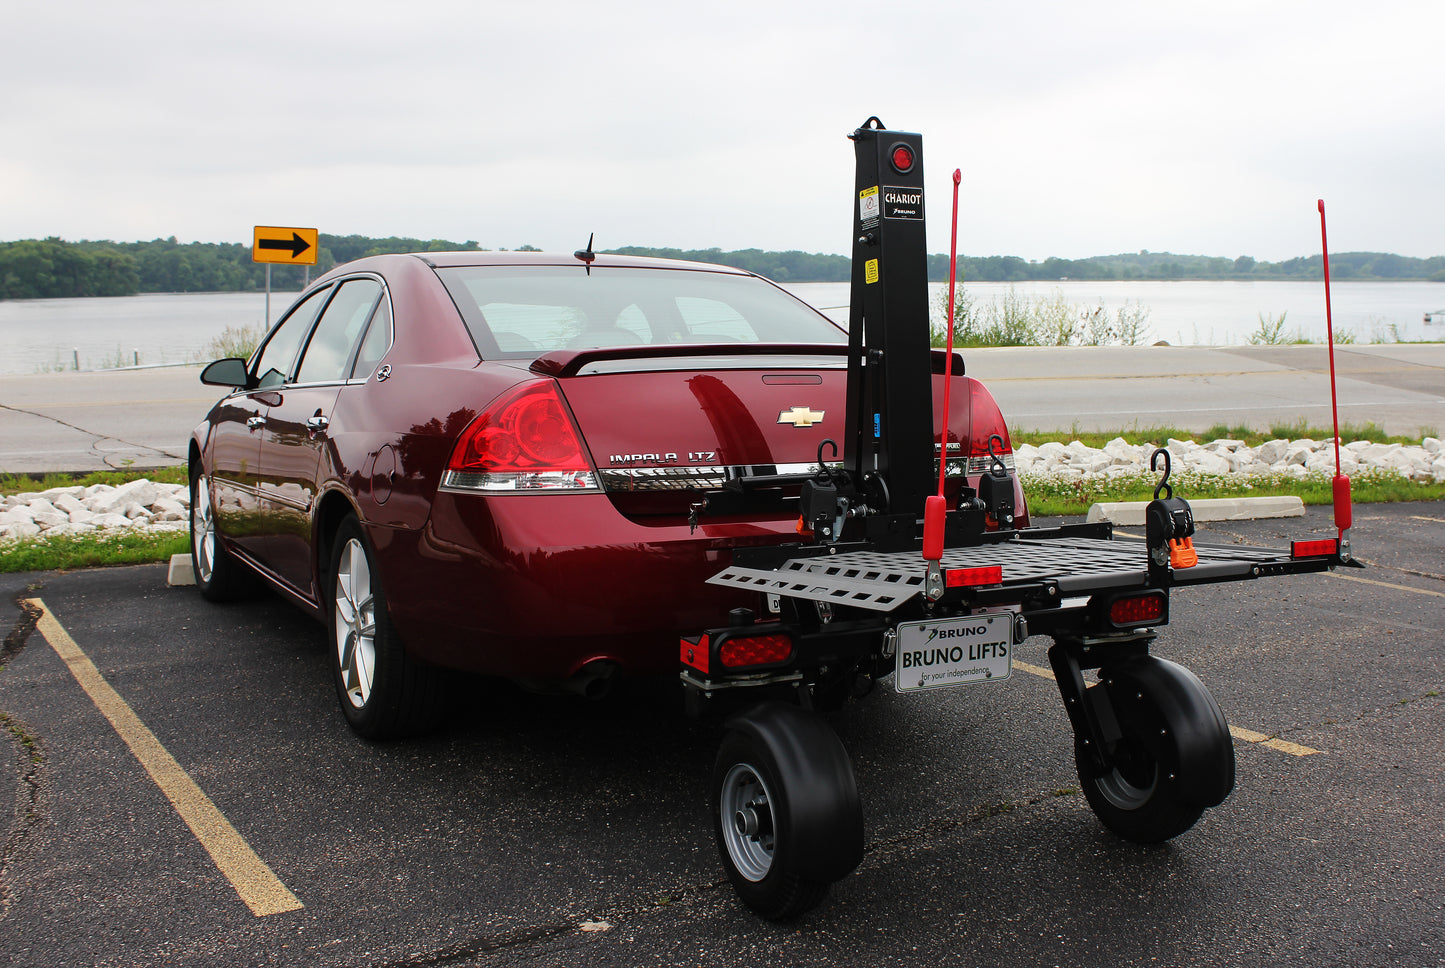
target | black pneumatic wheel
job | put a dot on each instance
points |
(785, 810)
(1175, 758)
(384, 692)
(219, 576)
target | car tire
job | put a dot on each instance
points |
(219, 575)
(385, 693)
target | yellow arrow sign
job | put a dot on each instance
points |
(292, 247)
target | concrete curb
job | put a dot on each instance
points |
(180, 572)
(1131, 513)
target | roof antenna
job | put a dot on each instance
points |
(587, 255)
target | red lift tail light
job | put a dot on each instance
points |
(1146, 609)
(755, 650)
(958, 577)
(524, 442)
(694, 653)
(1314, 549)
(901, 157)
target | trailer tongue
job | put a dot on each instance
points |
(872, 592)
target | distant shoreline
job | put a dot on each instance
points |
(56, 269)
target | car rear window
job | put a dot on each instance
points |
(524, 311)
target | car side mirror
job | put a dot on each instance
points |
(230, 372)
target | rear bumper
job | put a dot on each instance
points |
(535, 587)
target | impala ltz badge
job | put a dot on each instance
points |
(801, 417)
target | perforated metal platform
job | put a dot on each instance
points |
(883, 581)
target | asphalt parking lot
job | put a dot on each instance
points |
(547, 831)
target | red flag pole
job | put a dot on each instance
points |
(935, 506)
(948, 361)
(1341, 483)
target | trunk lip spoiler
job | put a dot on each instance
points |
(563, 363)
(567, 363)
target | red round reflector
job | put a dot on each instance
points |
(902, 159)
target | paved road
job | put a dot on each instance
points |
(509, 838)
(90, 421)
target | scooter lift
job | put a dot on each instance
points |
(855, 604)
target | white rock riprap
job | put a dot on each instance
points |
(144, 504)
(1292, 458)
(75, 510)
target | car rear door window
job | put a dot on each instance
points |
(375, 344)
(273, 363)
(328, 354)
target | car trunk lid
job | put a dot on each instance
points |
(664, 426)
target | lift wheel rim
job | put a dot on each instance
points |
(748, 828)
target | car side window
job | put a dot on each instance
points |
(327, 354)
(273, 362)
(376, 342)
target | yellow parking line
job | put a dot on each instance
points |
(1238, 732)
(1034, 670)
(1385, 584)
(260, 889)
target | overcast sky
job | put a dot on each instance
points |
(1081, 128)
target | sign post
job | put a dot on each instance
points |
(288, 246)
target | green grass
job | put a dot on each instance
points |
(1159, 434)
(1051, 496)
(91, 549)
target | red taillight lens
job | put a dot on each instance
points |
(755, 650)
(985, 420)
(1137, 609)
(525, 442)
(902, 158)
(959, 577)
(1313, 549)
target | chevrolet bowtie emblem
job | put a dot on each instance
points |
(801, 417)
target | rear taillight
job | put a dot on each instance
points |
(968, 577)
(986, 420)
(745, 650)
(1132, 610)
(755, 650)
(524, 443)
(1321, 548)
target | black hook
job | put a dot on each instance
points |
(997, 468)
(1163, 484)
(823, 468)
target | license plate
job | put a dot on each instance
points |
(952, 651)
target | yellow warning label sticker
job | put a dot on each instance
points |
(870, 271)
(868, 207)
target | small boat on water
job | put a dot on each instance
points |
(1438, 316)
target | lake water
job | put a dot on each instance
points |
(1217, 313)
(49, 334)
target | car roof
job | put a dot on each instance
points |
(479, 258)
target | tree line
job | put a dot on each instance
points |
(55, 268)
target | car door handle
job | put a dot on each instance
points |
(256, 422)
(316, 424)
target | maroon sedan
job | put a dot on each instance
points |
(495, 461)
